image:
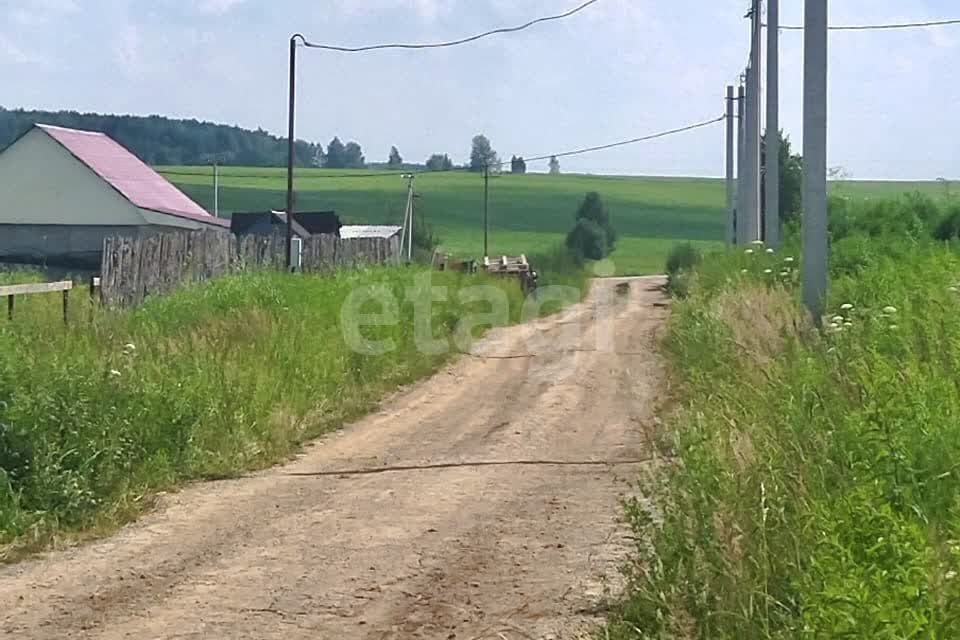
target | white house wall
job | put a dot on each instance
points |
(41, 183)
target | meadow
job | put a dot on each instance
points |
(528, 213)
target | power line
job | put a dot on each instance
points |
(881, 27)
(623, 143)
(452, 43)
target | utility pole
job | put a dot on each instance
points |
(772, 218)
(741, 161)
(290, 146)
(486, 211)
(815, 46)
(751, 218)
(731, 144)
(216, 189)
(408, 218)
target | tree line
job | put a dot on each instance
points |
(158, 140)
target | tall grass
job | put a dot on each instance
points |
(812, 488)
(208, 382)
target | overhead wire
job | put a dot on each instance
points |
(881, 27)
(452, 43)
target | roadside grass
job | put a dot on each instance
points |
(209, 382)
(811, 487)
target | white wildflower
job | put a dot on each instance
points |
(893, 327)
(889, 310)
(757, 243)
(114, 373)
(950, 575)
(846, 307)
(838, 319)
(768, 271)
(129, 348)
(848, 324)
(770, 251)
(954, 289)
(749, 252)
(744, 271)
(788, 260)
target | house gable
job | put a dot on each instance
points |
(41, 183)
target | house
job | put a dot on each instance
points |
(305, 224)
(63, 191)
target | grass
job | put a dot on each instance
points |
(208, 382)
(811, 488)
(528, 214)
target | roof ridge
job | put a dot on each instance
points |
(81, 131)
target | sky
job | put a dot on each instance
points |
(620, 69)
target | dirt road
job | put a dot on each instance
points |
(483, 503)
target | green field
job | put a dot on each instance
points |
(528, 213)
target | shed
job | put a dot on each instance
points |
(369, 231)
(63, 191)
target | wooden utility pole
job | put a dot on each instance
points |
(750, 220)
(815, 47)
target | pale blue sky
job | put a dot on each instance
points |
(623, 68)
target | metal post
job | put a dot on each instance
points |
(66, 306)
(486, 211)
(290, 145)
(772, 219)
(731, 142)
(216, 189)
(11, 304)
(741, 164)
(751, 218)
(815, 46)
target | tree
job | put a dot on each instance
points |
(594, 210)
(518, 165)
(588, 240)
(482, 154)
(791, 180)
(554, 166)
(353, 156)
(336, 157)
(439, 162)
(395, 161)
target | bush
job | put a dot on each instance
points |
(680, 262)
(588, 240)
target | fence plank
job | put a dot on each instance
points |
(38, 287)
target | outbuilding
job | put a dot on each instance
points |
(62, 191)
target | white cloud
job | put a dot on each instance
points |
(218, 7)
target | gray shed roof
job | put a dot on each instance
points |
(369, 231)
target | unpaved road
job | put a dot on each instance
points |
(460, 550)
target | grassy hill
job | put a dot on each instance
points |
(528, 213)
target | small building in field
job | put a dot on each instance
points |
(63, 191)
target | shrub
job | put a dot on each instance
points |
(588, 240)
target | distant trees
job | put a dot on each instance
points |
(395, 161)
(593, 237)
(340, 156)
(439, 162)
(554, 166)
(518, 165)
(482, 154)
(159, 140)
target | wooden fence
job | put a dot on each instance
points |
(134, 268)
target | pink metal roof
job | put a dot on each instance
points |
(126, 173)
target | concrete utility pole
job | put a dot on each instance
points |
(751, 218)
(408, 218)
(772, 218)
(741, 161)
(731, 144)
(815, 46)
(486, 211)
(291, 120)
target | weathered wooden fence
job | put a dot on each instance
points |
(134, 268)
